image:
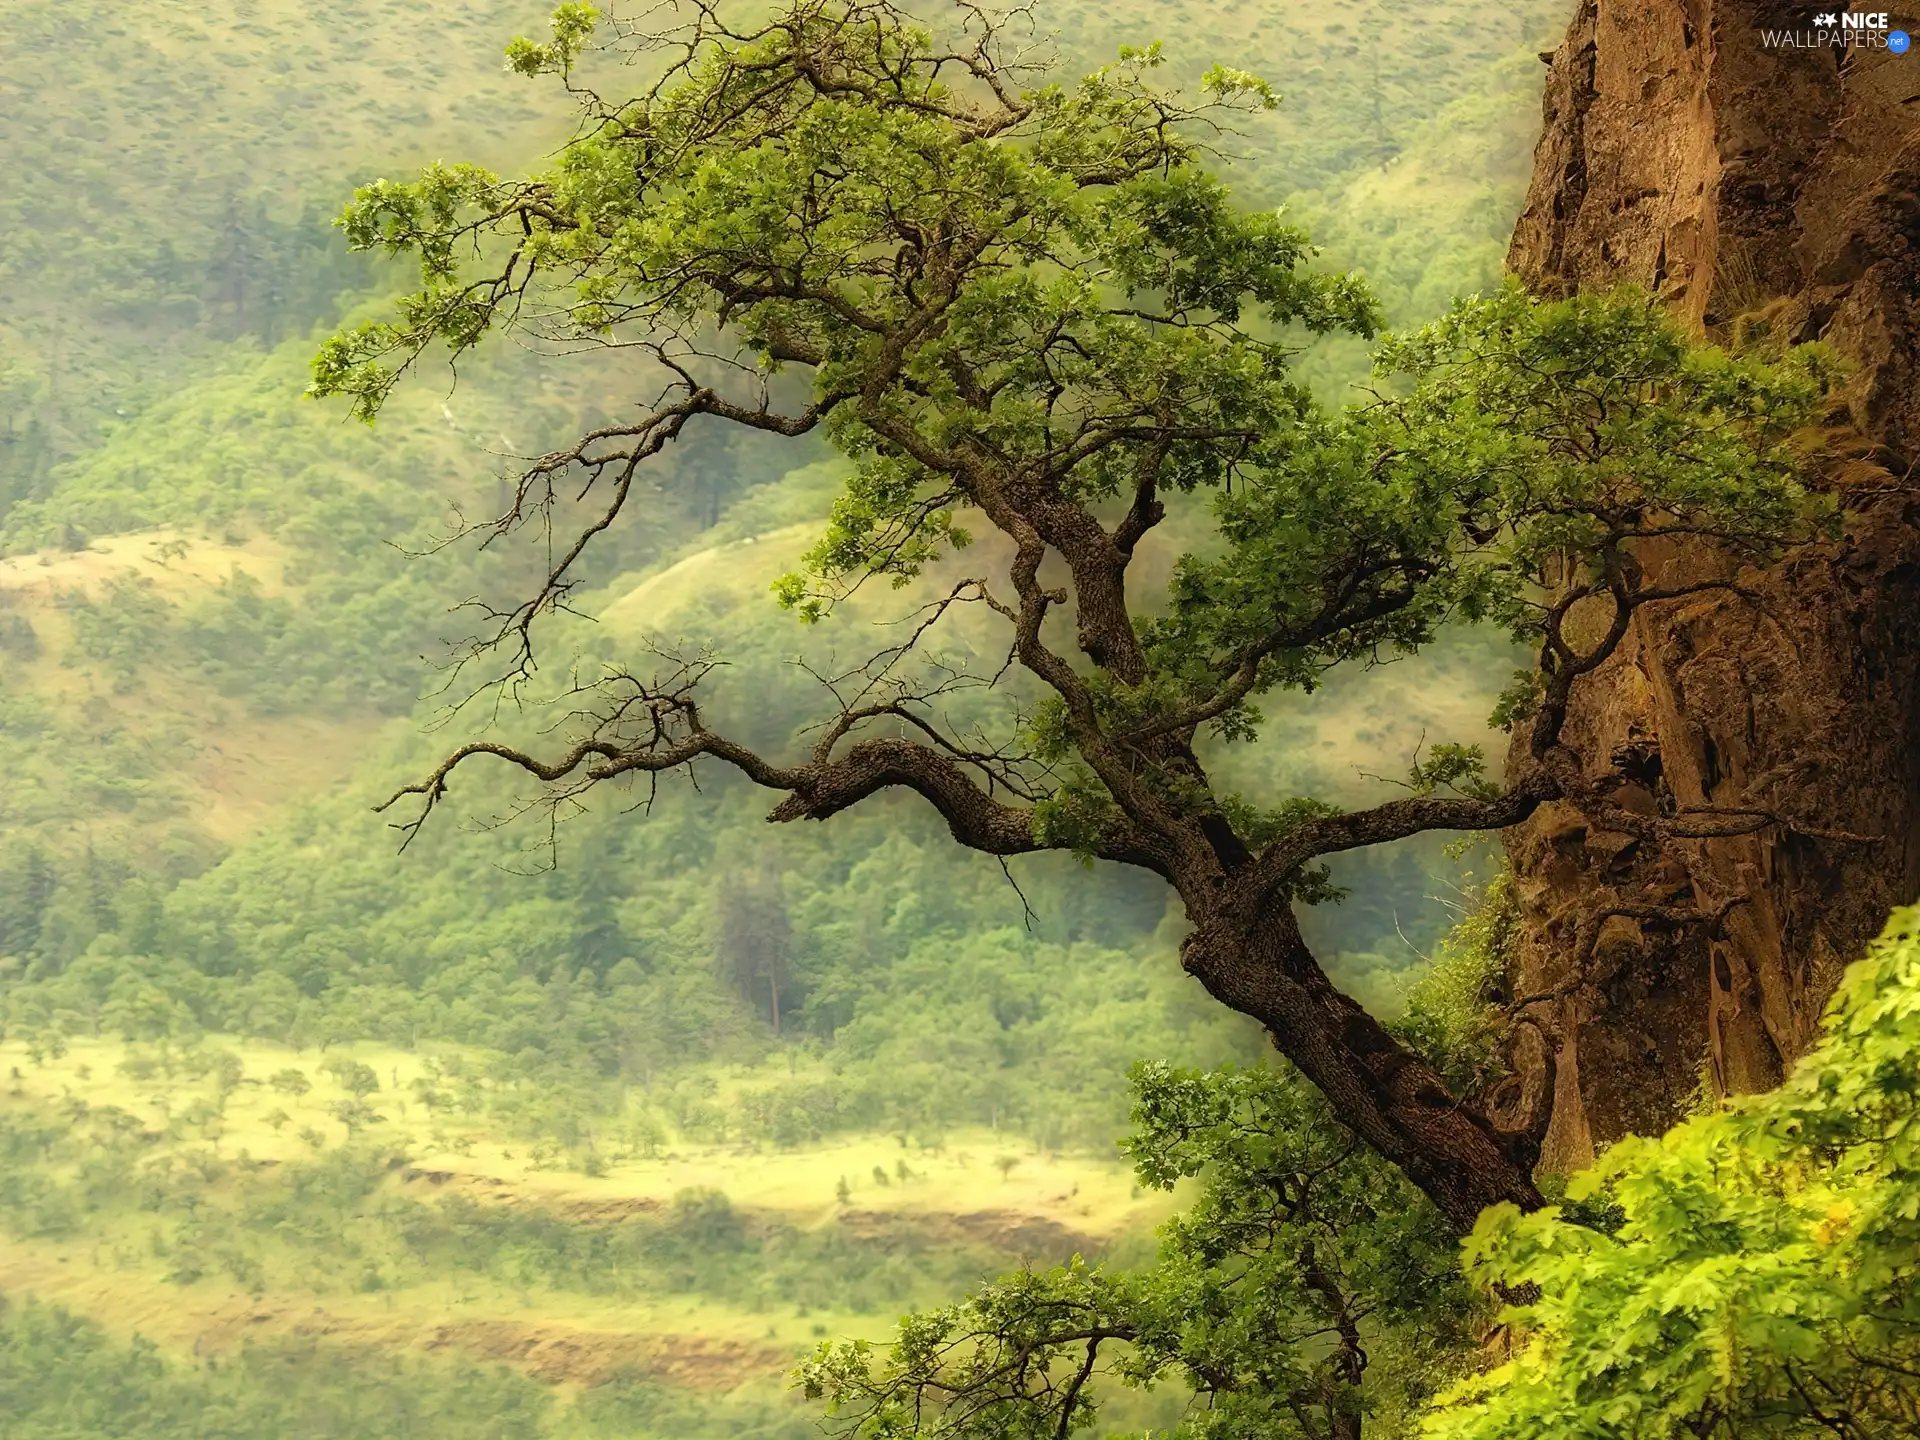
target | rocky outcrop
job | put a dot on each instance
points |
(1767, 194)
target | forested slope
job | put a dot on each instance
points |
(172, 172)
(287, 600)
(217, 596)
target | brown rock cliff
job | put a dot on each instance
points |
(1766, 194)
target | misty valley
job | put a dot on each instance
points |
(959, 722)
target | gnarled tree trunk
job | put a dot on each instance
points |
(1765, 193)
(1250, 955)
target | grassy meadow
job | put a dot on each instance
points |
(239, 1194)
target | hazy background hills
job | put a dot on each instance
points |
(212, 623)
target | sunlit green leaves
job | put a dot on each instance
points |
(1006, 1356)
(1575, 423)
(1515, 449)
(1181, 237)
(425, 217)
(1226, 80)
(1015, 274)
(1451, 1019)
(572, 24)
(1760, 1281)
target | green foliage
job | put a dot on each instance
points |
(122, 630)
(1107, 331)
(225, 447)
(19, 641)
(1757, 1274)
(740, 192)
(909, 982)
(358, 612)
(573, 24)
(1308, 1285)
(356, 1078)
(1450, 1017)
(320, 1226)
(63, 1378)
(337, 629)
(1510, 444)
(1599, 412)
(1461, 768)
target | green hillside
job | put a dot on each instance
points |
(663, 1099)
(172, 168)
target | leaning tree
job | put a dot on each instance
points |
(1026, 305)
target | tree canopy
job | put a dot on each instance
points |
(1027, 305)
(1302, 1260)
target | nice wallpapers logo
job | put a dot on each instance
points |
(1841, 30)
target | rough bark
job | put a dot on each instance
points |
(1253, 959)
(1766, 194)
